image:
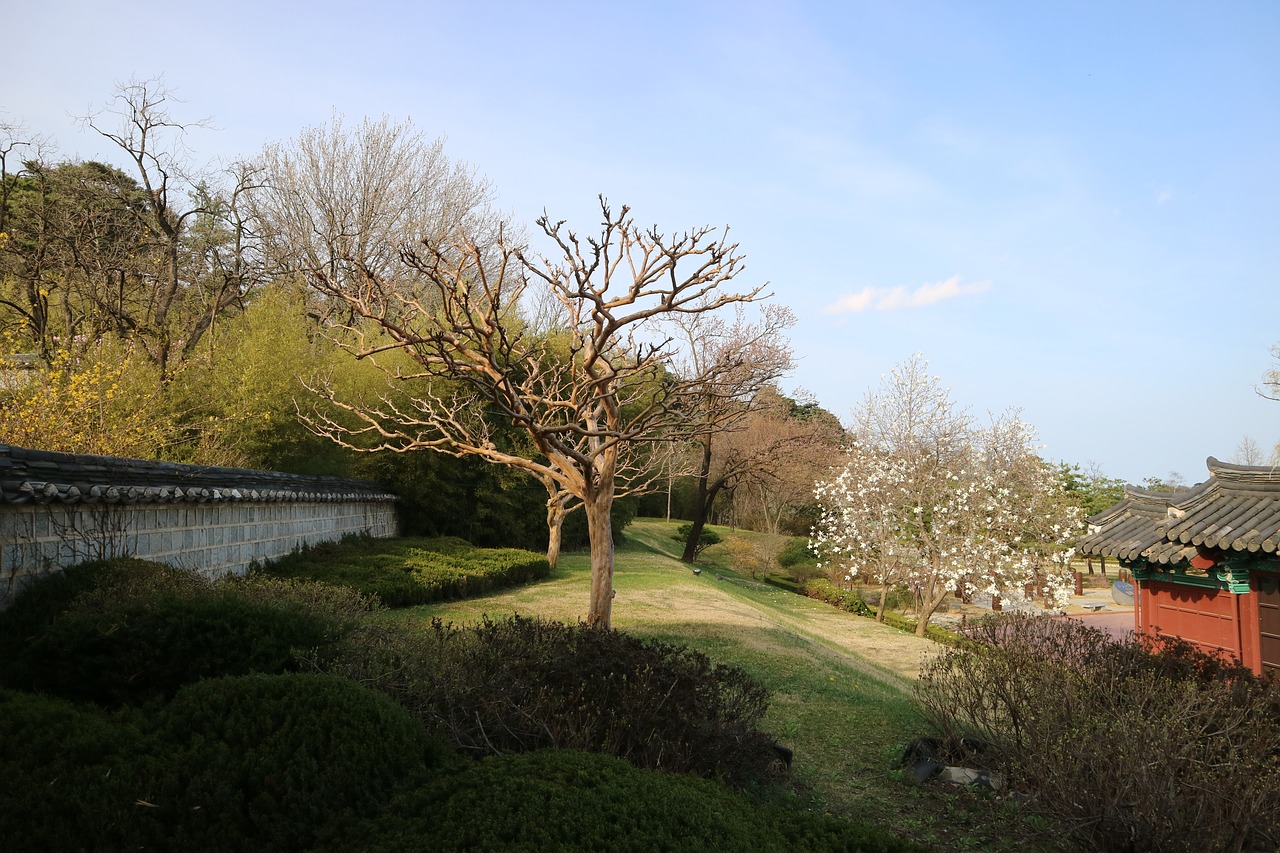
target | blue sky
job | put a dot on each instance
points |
(1072, 208)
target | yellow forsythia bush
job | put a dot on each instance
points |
(101, 399)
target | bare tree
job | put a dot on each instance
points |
(581, 396)
(637, 471)
(1271, 379)
(745, 356)
(193, 282)
(793, 443)
(336, 196)
(1271, 390)
(1248, 452)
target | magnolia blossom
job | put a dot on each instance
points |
(932, 503)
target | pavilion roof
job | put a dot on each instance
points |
(1236, 510)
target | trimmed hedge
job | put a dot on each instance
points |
(792, 586)
(931, 632)
(278, 761)
(132, 632)
(407, 572)
(73, 775)
(258, 762)
(850, 602)
(574, 801)
(796, 552)
(845, 599)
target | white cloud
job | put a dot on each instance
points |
(899, 298)
(1164, 197)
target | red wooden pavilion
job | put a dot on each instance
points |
(1204, 561)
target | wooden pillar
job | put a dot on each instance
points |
(1248, 627)
(1079, 583)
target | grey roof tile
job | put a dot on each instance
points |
(39, 476)
(1236, 509)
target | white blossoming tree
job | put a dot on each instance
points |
(865, 508)
(925, 498)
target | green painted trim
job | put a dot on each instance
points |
(1248, 563)
(1231, 576)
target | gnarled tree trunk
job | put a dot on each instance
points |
(599, 510)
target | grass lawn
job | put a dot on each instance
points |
(841, 684)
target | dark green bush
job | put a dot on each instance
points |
(407, 572)
(72, 775)
(846, 599)
(574, 801)
(784, 583)
(143, 646)
(795, 552)
(275, 762)
(899, 598)
(526, 684)
(439, 495)
(51, 595)
(1138, 748)
(258, 762)
(706, 537)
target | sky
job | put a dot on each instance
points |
(1069, 208)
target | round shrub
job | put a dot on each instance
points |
(574, 801)
(342, 607)
(267, 762)
(525, 684)
(145, 647)
(49, 597)
(795, 552)
(73, 775)
(706, 537)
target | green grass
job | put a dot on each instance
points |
(841, 684)
(404, 572)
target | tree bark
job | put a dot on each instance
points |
(707, 491)
(928, 600)
(598, 508)
(555, 522)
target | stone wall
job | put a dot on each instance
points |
(57, 510)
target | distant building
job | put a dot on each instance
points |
(1204, 561)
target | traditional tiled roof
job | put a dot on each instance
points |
(1236, 509)
(42, 477)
